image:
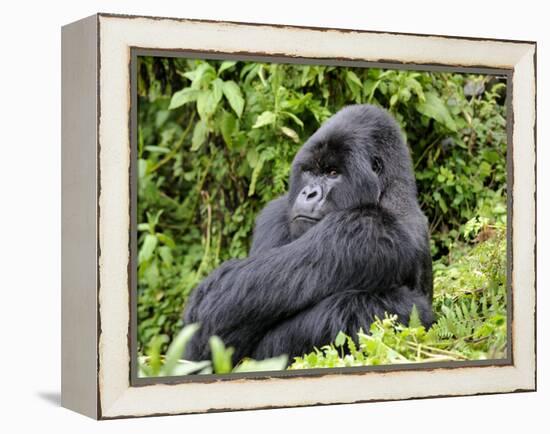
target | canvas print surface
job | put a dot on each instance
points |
(300, 216)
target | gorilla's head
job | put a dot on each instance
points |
(356, 158)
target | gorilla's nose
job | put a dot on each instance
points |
(311, 194)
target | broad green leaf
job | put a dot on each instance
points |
(142, 168)
(199, 135)
(352, 77)
(148, 247)
(188, 368)
(151, 273)
(207, 370)
(177, 347)
(484, 169)
(415, 86)
(161, 117)
(442, 205)
(414, 318)
(305, 75)
(252, 157)
(182, 97)
(208, 100)
(153, 352)
(232, 92)
(154, 218)
(165, 253)
(143, 227)
(491, 156)
(202, 101)
(228, 125)
(295, 118)
(435, 108)
(157, 149)
(289, 132)
(266, 118)
(369, 86)
(217, 91)
(226, 65)
(221, 356)
(166, 239)
(272, 364)
(255, 174)
(340, 339)
(261, 74)
(201, 76)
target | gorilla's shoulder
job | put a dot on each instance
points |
(275, 209)
(271, 228)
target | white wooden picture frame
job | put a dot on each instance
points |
(97, 324)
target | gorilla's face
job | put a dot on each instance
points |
(321, 175)
(356, 158)
(333, 171)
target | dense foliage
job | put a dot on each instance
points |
(215, 143)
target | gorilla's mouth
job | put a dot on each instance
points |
(306, 218)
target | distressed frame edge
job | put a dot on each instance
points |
(79, 266)
(529, 388)
(305, 27)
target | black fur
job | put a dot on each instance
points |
(304, 281)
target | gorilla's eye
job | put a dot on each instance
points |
(332, 172)
(377, 165)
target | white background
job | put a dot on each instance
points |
(30, 216)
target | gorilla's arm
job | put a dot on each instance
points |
(271, 228)
(347, 311)
(366, 248)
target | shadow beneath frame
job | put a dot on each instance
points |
(52, 398)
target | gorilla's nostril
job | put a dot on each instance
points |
(311, 194)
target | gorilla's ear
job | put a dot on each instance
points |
(377, 165)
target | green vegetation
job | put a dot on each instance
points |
(215, 144)
(156, 365)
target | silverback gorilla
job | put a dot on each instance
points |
(348, 242)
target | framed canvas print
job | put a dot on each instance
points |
(260, 216)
